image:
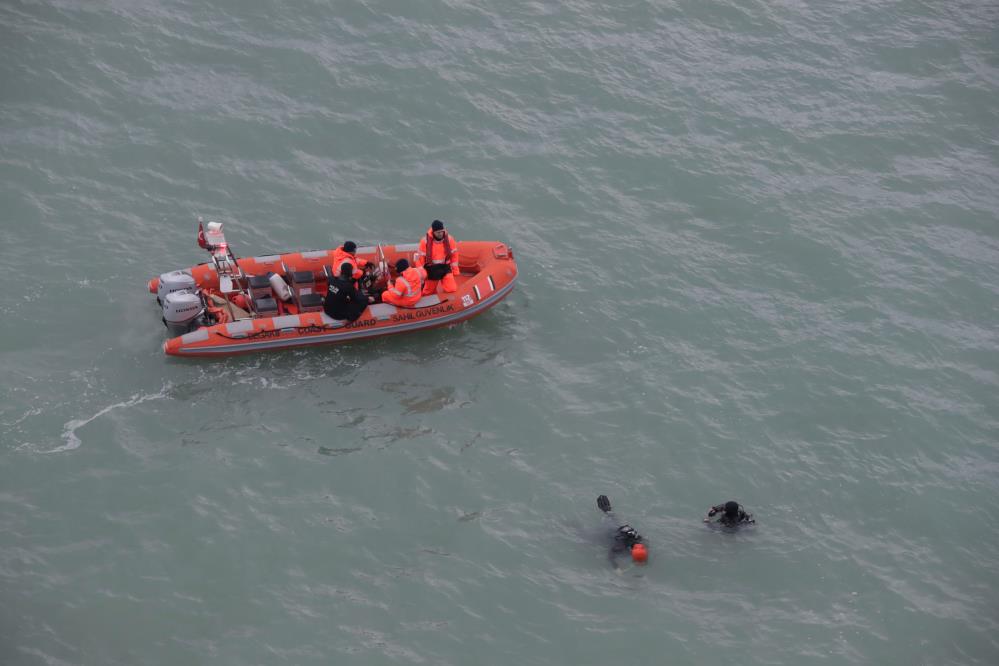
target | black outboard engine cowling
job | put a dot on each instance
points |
(183, 311)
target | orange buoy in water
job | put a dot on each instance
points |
(639, 553)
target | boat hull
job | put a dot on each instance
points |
(488, 275)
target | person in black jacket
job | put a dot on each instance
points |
(732, 515)
(343, 299)
(624, 539)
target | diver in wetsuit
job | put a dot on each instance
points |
(343, 299)
(625, 538)
(732, 515)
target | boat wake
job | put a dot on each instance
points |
(72, 441)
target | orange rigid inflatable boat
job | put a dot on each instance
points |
(233, 305)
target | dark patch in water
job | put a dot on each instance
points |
(326, 451)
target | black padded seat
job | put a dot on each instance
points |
(302, 277)
(265, 306)
(259, 286)
(258, 282)
(310, 302)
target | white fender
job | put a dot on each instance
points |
(280, 287)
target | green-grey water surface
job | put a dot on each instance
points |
(758, 258)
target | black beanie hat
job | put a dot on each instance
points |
(437, 225)
(401, 265)
(731, 508)
(350, 246)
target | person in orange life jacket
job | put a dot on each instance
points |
(407, 288)
(343, 299)
(346, 253)
(439, 254)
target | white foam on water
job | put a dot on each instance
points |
(31, 412)
(70, 427)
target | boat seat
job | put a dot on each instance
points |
(301, 277)
(259, 286)
(265, 306)
(309, 302)
(303, 288)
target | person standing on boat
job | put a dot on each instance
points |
(343, 299)
(624, 539)
(346, 252)
(408, 286)
(732, 515)
(439, 255)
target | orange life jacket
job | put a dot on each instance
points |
(410, 283)
(443, 251)
(341, 256)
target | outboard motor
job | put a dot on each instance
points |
(174, 281)
(183, 311)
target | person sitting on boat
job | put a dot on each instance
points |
(343, 299)
(624, 538)
(408, 286)
(347, 252)
(373, 282)
(439, 254)
(732, 515)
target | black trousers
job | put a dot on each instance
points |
(349, 310)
